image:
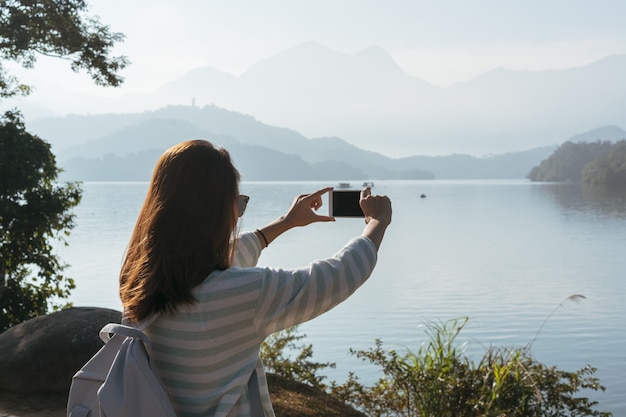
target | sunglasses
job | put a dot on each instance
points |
(242, 203)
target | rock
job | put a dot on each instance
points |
(42, 354)
(295, 399)
(36, 405)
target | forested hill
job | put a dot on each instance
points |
(600, 162)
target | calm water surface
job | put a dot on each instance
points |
(504, 254)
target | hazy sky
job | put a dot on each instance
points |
(441, 41)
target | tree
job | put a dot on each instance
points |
(57, 28)
(34, 209)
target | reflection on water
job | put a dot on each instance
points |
(599, 200)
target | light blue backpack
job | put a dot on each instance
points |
(119, 381)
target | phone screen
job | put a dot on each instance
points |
(345, 203)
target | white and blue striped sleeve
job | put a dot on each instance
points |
(290, 297)
(247, 251)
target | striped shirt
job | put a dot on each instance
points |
(207, 351)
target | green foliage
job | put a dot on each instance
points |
(34, 209)
(57, 28)
(440, 381)
(568, 161)
(609, 168)
(592, 163)
(276, 354)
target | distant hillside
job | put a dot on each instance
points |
(129, 146)
(254, 164)
(514, 165)
(126, 147)
(600, 162)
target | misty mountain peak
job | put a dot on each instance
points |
(611, 133)
(312, 57)
(378, 57)
(303, 57)
(196, 77)
(311, 49)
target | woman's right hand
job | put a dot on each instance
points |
(377, 210)
(375, 206)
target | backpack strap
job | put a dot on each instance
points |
(129, 329)
(254, 395)
(111, 329)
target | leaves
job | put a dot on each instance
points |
(440, 381)
(57, 28)
(276, 353)
(34, 210)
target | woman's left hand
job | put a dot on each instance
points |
(304, 207)
(301, 213)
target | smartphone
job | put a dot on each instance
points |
(345, 203)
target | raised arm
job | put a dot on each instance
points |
(377, 210)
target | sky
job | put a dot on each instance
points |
(441, 41)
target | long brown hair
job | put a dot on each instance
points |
(183, 230)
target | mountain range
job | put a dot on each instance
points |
(125, 147)
(372, 103)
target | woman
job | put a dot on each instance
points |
(208, 309)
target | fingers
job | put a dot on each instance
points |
(375, 206)
(318, 194)
(319, 218)
(304, 208)
(314, 200)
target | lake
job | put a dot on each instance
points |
(506, 254)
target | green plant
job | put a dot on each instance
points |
(574, 297)
(438, 366)
(276, 354)
(439, 380)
